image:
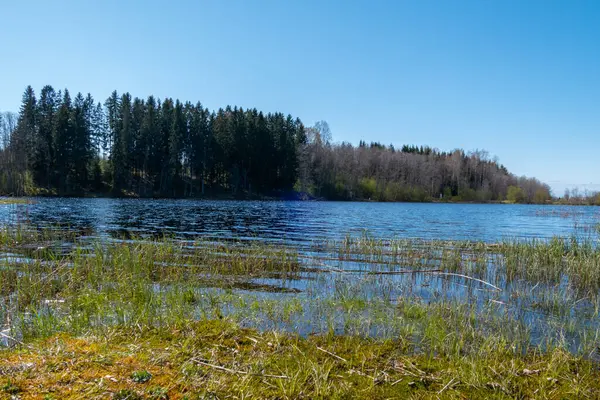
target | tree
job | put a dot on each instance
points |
(515, 194)
(45, 152)
(82, 151)
(121, 145)
(169, 148)
(64, 137)
(176, 134)
(149, 145)
(541, 196)
(9, 176)
(25, 138)
(323, 132)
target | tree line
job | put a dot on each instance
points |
(127, 146)
(414, 173)
(130, 146)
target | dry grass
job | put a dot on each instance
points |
(217, 359)
(163, 319)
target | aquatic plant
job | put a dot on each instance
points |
(382, 310)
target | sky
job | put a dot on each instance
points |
(520, 79)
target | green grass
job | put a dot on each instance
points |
(218, 359)
(157, 319)
(14, 200)
(536, 261)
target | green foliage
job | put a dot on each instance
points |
(10, 388)
(515, 195)
(367, 188)
(29, 188)
(541, 196)
(141, 376)
(134, 147)
(99, 317)
(410, 194)
(158, 393)
(447, 195)
(394, 192)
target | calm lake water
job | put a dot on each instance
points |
(329, 280)
(302, 222)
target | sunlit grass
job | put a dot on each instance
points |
(14, 200)
(219, 359)
(392, 318)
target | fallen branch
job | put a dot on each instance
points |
(468, 277)
(446, 387)
(4, 335)
(410, 271)
(331, 354)
(233, 371)
(434, 272)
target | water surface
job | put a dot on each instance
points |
(301, 222)
(344, 292)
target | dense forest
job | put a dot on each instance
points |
(126, 146)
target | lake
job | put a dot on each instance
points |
(342, 286)
(302, 222)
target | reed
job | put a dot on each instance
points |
(373, 318)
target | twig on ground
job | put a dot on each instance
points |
(446, 387)
(331, 354)
(233, 371)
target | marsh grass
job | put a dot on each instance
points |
(370, 321)
(219, 359)
(574, 262)
(21, 238)
(14, 200)
(126, 283)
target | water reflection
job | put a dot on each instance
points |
(330, 279)
(304, 222)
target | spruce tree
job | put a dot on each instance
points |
(45, 154)
(63, 144)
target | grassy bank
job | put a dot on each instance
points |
(217, 359)
(357, 318)
(14, 200)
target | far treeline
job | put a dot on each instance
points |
(64, 146)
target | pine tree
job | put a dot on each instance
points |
(63, 143)
(136, 144)
(176, 135)
(24, 139)
(198, 143)
(163, 155)
(45, 153)
(119, 153)
(82, 152)
(113, 114)
(149, 145)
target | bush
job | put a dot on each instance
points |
(541, 196)
(367, 188)
(515, 195)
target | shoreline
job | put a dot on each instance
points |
(8, 199)
(217, 359)
(354, 318)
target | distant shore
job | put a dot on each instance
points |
(288, 196)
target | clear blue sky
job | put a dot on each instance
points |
(520, 79)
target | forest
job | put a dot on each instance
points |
(61, 145)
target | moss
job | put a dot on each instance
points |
(129, 312)
(221, 359)
(14, 200)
